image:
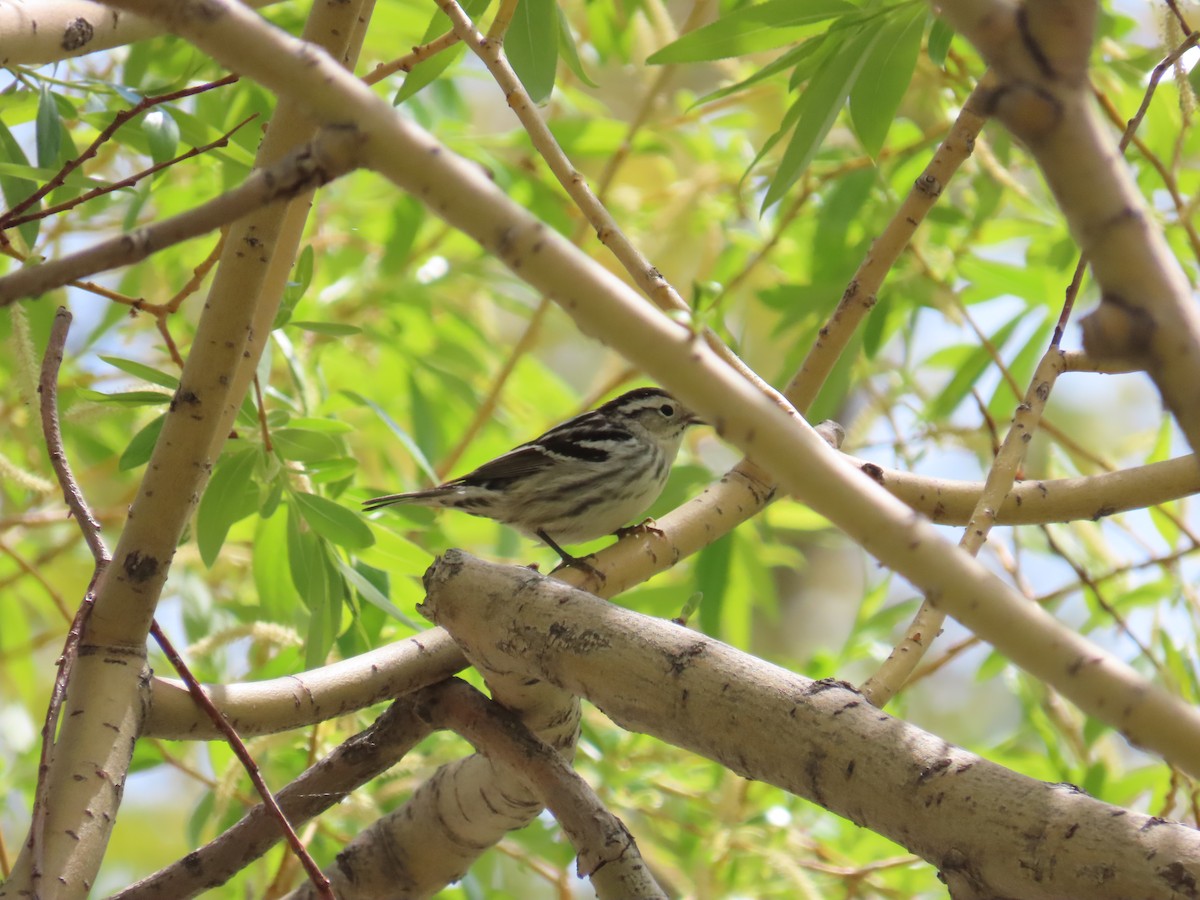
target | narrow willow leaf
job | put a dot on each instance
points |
(425, 73)
(162, 132)
(127, 398)
(885, 77)
(229, 498)
(940, 36)
(372, 594)
(276, 593)
(570, 52)
(821, 102)
(48, 131)
(532, 46)
(751, 29)
(968, 374)
(143, 371)
(16, 188)
(139, 449)
(334, 522)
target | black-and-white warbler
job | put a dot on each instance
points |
(580, 480)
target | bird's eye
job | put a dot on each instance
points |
(667, 410)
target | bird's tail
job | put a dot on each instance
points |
(418, 497)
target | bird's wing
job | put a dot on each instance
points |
(520, 461)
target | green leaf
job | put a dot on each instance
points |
(333, 329)
(938, 45)
(305, 446)
(302, 546)
(230, 496)
(821, 102)
(425, 73)
(532, 46)
(48, 130)
(295, 289)
(334, 522)
(712, 580)
(403, 436)
(276, 592)
(570, 53)
(968, 373)
(325, 426)
(163, 134)
(793, 59)
(127, 398)
(139, 449)
(885, 77)
(319, 585)
(373, 595)
(146, 373)
(751, 29)
(15, 188)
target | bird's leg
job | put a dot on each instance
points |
(646, 526)
(568, 560)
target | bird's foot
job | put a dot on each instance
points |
(646, 526)
(581, 565)
(568, 560)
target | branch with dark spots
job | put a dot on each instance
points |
(139, 568)
(1031, 44)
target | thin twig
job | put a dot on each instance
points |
(7, 220)
(222, 141)
(331, 154)
(239, 750)
(406, 62)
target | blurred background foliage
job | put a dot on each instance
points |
(753, 162)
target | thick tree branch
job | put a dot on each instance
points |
(964, 814)
(45, 31)
(607, 852)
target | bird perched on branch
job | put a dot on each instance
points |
(580, 480)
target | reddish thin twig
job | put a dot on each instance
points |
(118, 120)
(239, 749)
(222, 141)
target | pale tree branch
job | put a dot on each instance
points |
(784, 445)
(607, 852)
(33, 32)
(309, 697)
(461, 810)
(89, 526)
(926, 625)
(1147, 313)
(967, 816)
